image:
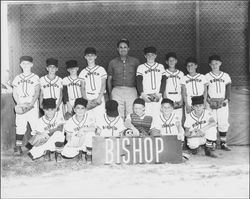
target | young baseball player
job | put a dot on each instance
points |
(200, 128)
(167, 122)
(94, 82)
(76, 128)
(25, 92)
(219, 88)
(48, 133)
(110, 123)
(137, 121)
(173, 84)
(51, 85)
(193, 84)
(71, 86)
(151, 81)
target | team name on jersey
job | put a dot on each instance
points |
(74, 84)
(109, 127)
(168, 125)
(50, 85)
(152, 70)
(217, 80)
(173, 76)
(25, 81)
(198, 123)
(92, 73)
(193, 80)
(49, 126)
(79, 127)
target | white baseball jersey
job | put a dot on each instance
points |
(152, 76)
(25, 86)
(72, 126)
(73, 87)
(110, 128)
(166, 126)
(44, 125)
(173, 85)
(51, 88)
(197, 122)
(93, 80)
(194, 85)
(217, 84)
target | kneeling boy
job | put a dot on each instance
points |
(200, 128)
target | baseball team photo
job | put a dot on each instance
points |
(125, 99)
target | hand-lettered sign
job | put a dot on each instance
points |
(136, 150)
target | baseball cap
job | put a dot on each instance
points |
(150, 49)
(197, 100)
(167, 101)
(112, 108)
(214, 57)
(81, 101)
(139, 101)
(49, 103)
(90, 50)
(171, 54)
(123, 40)
(191, 60)
(71, 64)
(26, 58)
(52, 61)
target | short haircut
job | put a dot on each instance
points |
(167, 101)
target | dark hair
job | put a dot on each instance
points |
(171, 54)
(191, 60)
(123, 40)
(167, 101)
(214, 57)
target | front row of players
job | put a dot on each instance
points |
(73, 137)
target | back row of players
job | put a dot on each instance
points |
(158, 110)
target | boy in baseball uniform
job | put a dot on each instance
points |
(110, 123)
(193, 84)
(167, 122)
(219, 88)
(51, 85)
(25, 92)
(48, 133)
(173, 84)
(200, 128)
(80, 124)
(151, 81)
(138, 121)
(71, 86)
(94, 82)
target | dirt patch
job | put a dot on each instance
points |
(201, 176)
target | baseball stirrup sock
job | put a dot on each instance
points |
(223, 136)
(209, 143)
(19, 140)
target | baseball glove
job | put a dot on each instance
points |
(153, 97)
(216, 103)
(68, 115)
(178, 105)
(92, 104)
(128, 132)
(197, 133)
(22, 108)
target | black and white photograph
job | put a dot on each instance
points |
(125, 99)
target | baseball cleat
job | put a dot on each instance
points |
(225, 147)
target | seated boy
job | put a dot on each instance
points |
(167, 123)
(76, 128)
(137, 121)
(48, 134)
(200, 128)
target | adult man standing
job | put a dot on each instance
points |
(122, 78)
